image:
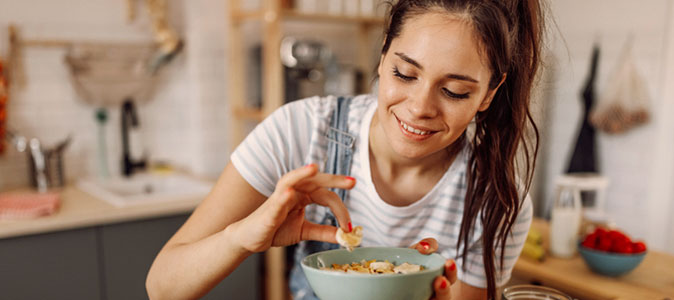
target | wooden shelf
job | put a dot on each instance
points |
(327, 18)
(291, 14)
(271, 16)
(249, 113)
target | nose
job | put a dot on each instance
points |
(422, 103)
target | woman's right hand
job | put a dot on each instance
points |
(280, 221)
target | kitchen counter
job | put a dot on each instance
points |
(79, 209)
(652, 279)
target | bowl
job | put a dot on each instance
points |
(334, 285)
(608, 263)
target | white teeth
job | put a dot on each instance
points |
(413, 130)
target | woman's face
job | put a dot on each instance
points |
(432, 82)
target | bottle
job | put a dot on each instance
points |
(565, 221)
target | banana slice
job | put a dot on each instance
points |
(407, 268)
(349, 240)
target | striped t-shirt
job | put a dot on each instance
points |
(293, 136)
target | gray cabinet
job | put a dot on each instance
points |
(106, 262)
(128, 250)
(61, 265)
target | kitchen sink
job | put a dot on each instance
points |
(145, 188)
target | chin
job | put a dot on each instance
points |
(411, 151)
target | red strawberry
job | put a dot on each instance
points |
(604, 243)
(638, 247)
(590, 241)
(621, 246)
(616, 235)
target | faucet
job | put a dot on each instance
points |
(129, 119)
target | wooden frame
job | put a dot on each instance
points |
(271, 15)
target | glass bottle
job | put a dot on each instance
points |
(565, 221)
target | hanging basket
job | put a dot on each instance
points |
(624, 104)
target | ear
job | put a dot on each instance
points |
(381, 63)
(490, 95)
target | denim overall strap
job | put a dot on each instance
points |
(339, 157)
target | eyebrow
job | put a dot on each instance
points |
(413, 62)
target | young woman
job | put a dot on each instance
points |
(416, 176)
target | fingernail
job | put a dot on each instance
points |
(452, 266)
(350, 227)
(443, 285)
(309, 166)
(425, 245)
(350, 178)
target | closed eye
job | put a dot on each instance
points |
(402, 76)
(451, 94)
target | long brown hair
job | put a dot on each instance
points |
(510, 32)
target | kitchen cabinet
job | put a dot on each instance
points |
(102, 262)
(61, 265)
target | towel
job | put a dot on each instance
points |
(28, 205)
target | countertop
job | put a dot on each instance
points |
(652, 279)
(79, 209)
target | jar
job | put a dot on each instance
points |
(565, 221)
(532, 292)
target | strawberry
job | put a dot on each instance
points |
(600, 231)
(638, 247)
(590, 240)
(604, 243)
(621, 246)
(616, 235)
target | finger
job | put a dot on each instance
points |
(295, 176)
(316, 232)
(280, 205)
(330, 199)
(426, 246)
(450, 270)
(323, 180)
(441, 287)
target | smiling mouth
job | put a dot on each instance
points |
(413, 130)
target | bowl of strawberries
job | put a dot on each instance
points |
(611, 252)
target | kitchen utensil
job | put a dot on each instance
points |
(46, 164)
(101, 121)
(332, 285)
(39, 165)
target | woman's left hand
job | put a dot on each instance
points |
(442, 284)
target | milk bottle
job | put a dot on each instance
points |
(565, 222)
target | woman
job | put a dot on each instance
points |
(414, 170)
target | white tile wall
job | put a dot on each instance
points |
(185, 122)
(628, 160)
